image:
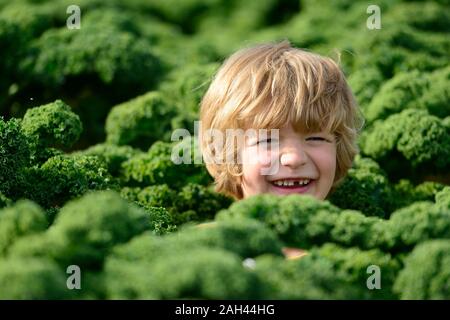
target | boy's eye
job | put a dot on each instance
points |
(264, 141)
(317, 138)
(268, 141)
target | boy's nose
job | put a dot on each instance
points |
(293, 158)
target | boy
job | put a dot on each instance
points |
(305, 102)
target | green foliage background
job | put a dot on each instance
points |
(86, 176)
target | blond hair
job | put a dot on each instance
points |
(269, 86)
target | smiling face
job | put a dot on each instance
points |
(296, 162)
(270, 86)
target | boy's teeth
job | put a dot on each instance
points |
(290, 183)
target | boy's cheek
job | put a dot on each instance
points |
(267, 164)
(263, 160)
(326, 159)
(252, 156)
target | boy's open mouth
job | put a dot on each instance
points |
(292, 185)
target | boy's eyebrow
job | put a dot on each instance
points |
(260, 134)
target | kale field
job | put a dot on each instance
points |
(87, 179)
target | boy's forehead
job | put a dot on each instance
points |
(305, 118)
(298, 127)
